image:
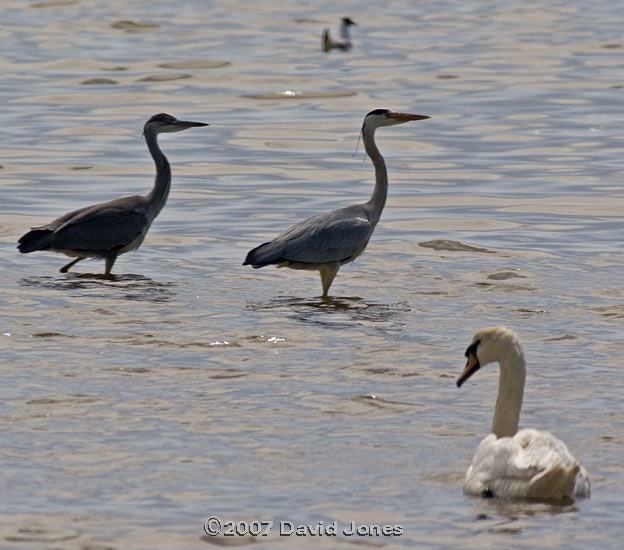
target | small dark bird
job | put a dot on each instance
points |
(326, 242)
(343, 43)
(106, 230)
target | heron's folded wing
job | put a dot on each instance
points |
(325, 239)
(102, 227)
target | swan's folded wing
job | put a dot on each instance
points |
(560, 476)
(541, 449)
(532, 464)
(498, 469)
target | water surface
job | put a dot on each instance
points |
(189, 386)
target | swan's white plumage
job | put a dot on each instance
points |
(531, 464)
(524, 464)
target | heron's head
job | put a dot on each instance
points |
(347, 21)
(489, 345)
(384, 117)
(162, 122)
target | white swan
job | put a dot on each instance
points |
(343, 43)
(510, 463)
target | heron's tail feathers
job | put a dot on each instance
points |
(265, 254)
(37, 239)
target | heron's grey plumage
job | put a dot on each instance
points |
(108, 229)
(327, 241)
(337, 235)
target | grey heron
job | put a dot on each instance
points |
(343, 43)
(106, 230)
(326, 242)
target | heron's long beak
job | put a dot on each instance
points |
(184, 124)
(405, 117)
(472, 366)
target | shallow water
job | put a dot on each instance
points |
(189, 386)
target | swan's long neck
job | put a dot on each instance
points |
(157, 197)
(510, 393)
(378, 199)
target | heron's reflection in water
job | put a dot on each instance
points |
(343, 311)
(124, 287)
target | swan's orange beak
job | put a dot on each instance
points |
(405, 117)
(472, 366)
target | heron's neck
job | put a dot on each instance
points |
(510, 393)
(378, 199)
(157, 197)
(344, 31)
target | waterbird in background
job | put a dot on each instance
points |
(325, 242)
(528, 463)
(343, 43)
(106, 230)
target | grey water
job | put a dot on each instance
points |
(134, 409)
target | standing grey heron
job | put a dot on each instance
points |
(328, 241)
(106, 230)
(343, 43)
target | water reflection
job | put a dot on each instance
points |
(125, 287)
(335, 312)
(502, 514)
(40, 532)
(367, 405)
(520, 173)
(445, 245)
(299, 94)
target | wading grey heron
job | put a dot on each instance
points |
(343, 43)
(106, 230)
(325, 242)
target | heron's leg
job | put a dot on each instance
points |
(65, 268)
(110, 261)
(328, 273)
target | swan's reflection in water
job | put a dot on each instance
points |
(504, 516)
(123, 287)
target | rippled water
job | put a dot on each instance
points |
(133, 409)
